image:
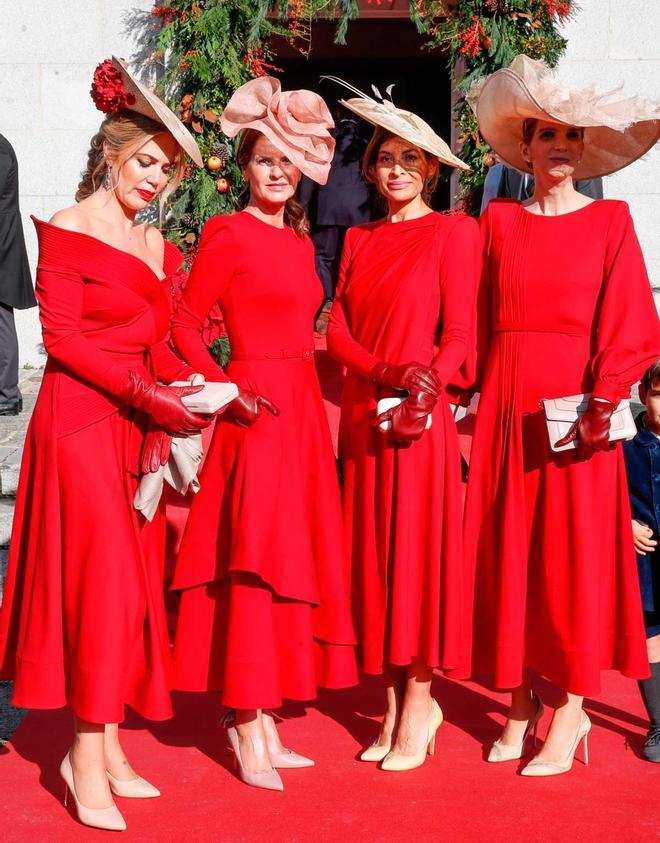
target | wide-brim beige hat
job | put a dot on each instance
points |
(617, 130)
(137, 97)
(403, 124)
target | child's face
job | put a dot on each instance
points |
(651, 399)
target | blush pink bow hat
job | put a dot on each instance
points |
(296, 122)
(617, 130)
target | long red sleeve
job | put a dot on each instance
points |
(210, 275)
(459, 275)
(341, 344)
(60, 293)
(628, 330)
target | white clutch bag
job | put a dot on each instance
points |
(213, 396)
(388, 403)
(562, 413)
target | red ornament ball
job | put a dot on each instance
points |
(222, 185)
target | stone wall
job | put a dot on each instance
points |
(611, 42)
(49, 50)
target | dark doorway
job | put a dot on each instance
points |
(378, 52)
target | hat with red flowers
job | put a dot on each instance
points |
(114, 89)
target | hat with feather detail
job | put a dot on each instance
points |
(404, 124)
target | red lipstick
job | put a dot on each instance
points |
(147, 195)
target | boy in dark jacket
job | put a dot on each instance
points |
(642, 456)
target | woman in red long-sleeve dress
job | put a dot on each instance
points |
(402, 325)
(565, 308)
(264, 611)
(83, 621)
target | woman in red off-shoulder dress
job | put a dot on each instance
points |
(82, 621)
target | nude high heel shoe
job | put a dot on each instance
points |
(138, 788)
(287, 759)
(269, 779)
(510, 752)
(109, 819)
(537, 767)
(395, 762)
(375, 752)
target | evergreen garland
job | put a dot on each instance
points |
(205, 49)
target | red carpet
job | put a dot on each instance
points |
(455, 796)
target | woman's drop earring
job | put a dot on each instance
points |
(107, 180)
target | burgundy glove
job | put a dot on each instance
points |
(156, 450)
(410, 376)
(408, 418)
(592, 429)
(245, 409)
(164, 405)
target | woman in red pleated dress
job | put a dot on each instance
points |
(83, 621)
(402, 325)
(565, 309)
(264, 610)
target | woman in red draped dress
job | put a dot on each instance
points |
(565, 308)
(264, 612)
(402, 325)
(83, 621)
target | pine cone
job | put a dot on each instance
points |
(222, 151)
(189, 221)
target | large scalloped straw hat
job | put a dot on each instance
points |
(114, 88)
(398, 121)
(617, 130)
(298, 123)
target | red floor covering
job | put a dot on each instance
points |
(455, 796)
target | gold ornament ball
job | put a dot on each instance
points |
(214, 163)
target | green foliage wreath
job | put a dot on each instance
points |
(205, 49)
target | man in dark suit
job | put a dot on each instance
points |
(16, 289)
(332, 208)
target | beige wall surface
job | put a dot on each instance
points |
(48, 52)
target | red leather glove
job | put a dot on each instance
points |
(245, 409)
(592, 429)
(156, 450)
(408, 418)
(163, 404)
(410, 376)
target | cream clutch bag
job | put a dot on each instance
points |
(212, 397)
(388, 403)
(562, 413)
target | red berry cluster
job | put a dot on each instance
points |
(255, 61)
(165, 12)
(108, 90)
(472, 39)
(556, 7)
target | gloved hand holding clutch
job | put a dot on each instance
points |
(410, 376)
(163, 404)
(408, 419)
(592, 429)
(157, 444)
(245, 409)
